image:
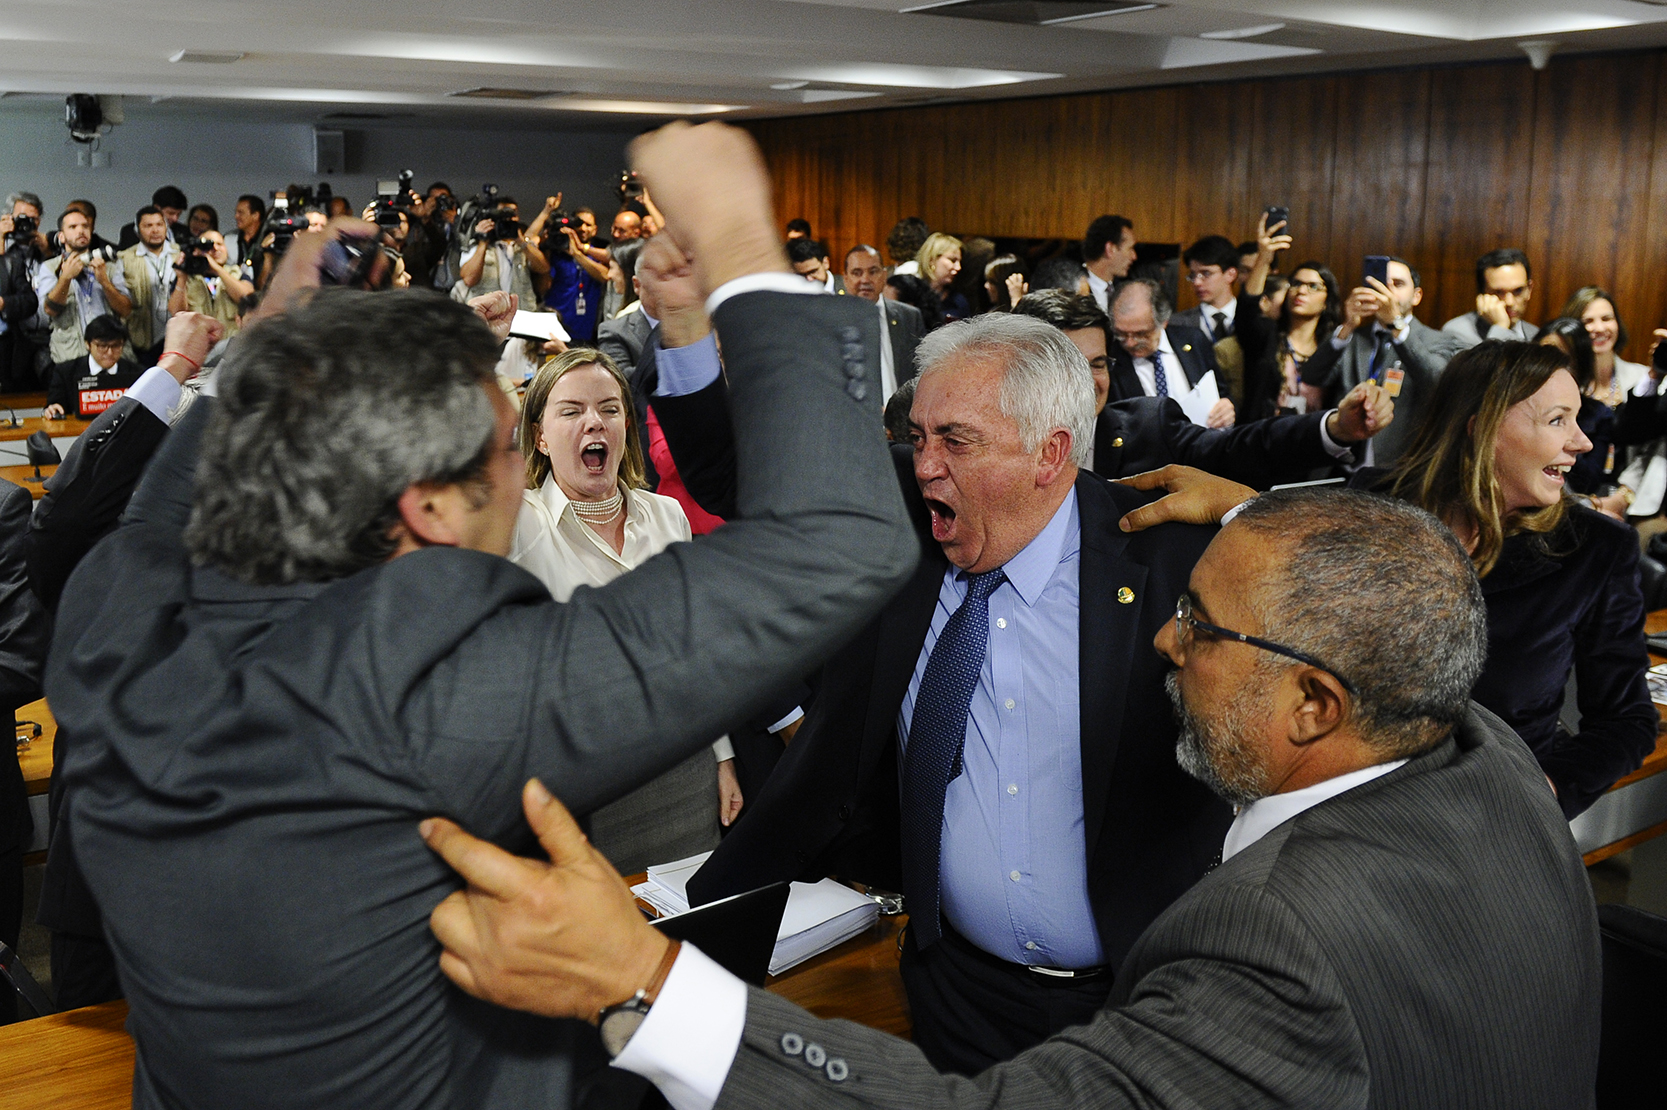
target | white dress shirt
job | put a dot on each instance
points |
(1100, 289)
(1208, 312)
(888, 358)
(1174, 376)
(688, 1042)
(564, 552)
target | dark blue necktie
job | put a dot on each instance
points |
(1159, 379)
(1380, 348)
(937, 734)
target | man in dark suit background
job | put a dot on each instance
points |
(902, 328)
(1074, 828)
(1155, 358)
(392, 658)
(1147, 433)
(1381, 340)
(1401, 920)
(809, 259)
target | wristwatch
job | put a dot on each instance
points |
(619, 1023)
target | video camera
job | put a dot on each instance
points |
(194, 259)
(555, 242)
(630, 186)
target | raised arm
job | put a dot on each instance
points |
(624, 681)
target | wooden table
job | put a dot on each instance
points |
(24, 400)
(36, 761)
(66, 428)
(25, 475)
(83, 1059)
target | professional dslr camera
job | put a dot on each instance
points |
(195, 261)
(630, 186)
(555, 242)
(23, 229)
(506, 224)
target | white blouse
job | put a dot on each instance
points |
(565, 553)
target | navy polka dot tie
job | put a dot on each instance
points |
(1160, 380)
(937, 734)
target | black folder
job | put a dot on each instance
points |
(738, 933)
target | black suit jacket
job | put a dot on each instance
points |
(25, 632)
(251, 761)
(905, 328)
(1146, 433)
(623, 339)
(831, 806)
(61, 382)
(1569, 600)
(1192, 347)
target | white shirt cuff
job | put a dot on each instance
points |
(1333, 448)
(687, 1044)
(1227, 517)
(1646, 387)
(722, 748)
(690, 369)
(1337, 341)
(157, 390)
(797, 715)
(773, 281)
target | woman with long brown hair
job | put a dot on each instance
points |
(1561, 580)
(586, 519)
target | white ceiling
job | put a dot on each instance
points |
(606, 64)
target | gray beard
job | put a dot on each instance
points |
(1216, 752)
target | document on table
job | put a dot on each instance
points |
(818, 915)
(1198, 402)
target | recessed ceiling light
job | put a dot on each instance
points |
(1244, 32)
(918, 77)
(208, 57)
(783, 86)
(1035, 13)
(645, 107)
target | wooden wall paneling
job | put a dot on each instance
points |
(1293, 158)
(1647, 298)
(1214, 164)
(1382, 143)
(1594, 125)
(1476, 195)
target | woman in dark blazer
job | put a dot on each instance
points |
(1561, 580)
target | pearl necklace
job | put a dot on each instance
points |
(600, 512)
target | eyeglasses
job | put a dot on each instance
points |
(1133, 336)
(1185, 623)
(1308, 286)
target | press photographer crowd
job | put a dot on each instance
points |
(1199, 679)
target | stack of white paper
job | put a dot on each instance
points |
(818, 915)
(538, 325)
(1199, 400)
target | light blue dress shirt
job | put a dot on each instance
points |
(1014, 866)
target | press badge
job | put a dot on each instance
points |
(1392, 379)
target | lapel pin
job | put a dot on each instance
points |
(1124, 595)
(1118, 442)
(1186, 346)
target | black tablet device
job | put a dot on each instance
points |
(738, 933)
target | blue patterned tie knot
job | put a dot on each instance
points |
(937, 734)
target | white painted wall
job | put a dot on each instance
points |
(214, 161)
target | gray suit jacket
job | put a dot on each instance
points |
(904, 329)
(623, 338)
(1426, 939)
(251, 762)
(1469, 331)
(1422, 358)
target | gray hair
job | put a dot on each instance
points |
(1046, 384)
(326, 415)
(1414, 646)
(27, 198)
(1161, 308)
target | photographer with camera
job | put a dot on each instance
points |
(205, 283)
(79, 285)
(19, 257)
(148, 266)
(578, 270)
(427, 244)
(503, 257)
